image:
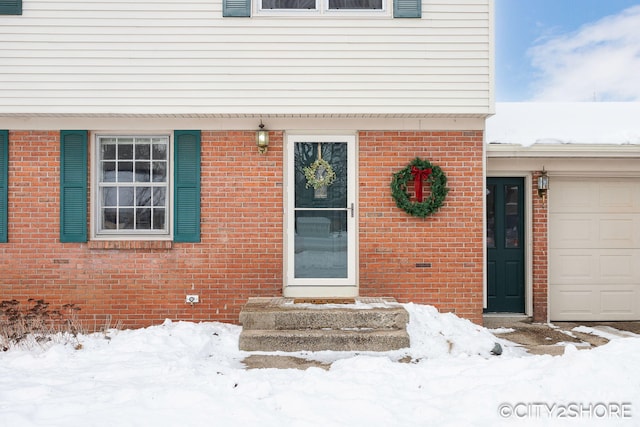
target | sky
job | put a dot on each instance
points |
(567, 50)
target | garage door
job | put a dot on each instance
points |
(594, 249)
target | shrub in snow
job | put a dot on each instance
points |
(37, 325)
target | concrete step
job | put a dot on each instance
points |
(283, 314)
(319, 340)
(366, 324)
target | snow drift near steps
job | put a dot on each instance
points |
(187, 374)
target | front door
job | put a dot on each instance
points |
(320, 217)
(505, 245)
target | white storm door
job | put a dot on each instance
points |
(321, 222)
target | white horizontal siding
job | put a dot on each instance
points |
(167, 57)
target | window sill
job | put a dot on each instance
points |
(130, 244)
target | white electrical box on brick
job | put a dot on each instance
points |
(192, 299)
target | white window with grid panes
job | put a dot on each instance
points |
(322, 6)
(131, 190)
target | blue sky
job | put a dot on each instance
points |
(567, 50)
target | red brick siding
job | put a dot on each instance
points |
(392, 243)
(540, 254)
(240, 253)
(140, 284)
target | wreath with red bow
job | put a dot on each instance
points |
(419, 171)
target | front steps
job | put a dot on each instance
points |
(280, 324)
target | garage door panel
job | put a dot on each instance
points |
(571, 267)
(617, 231)
(579, 302)
(615, 197)
(617, 267)
(595, 231)
(571, 302)
(619, 302)
(594, 249)
(574, 232)
(594, 266)
(579, 195)
(573, 196)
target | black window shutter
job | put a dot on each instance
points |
(186, 212)
(73, 186)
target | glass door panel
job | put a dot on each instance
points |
(321, 244)
(512, 213)
(321, 218)
(320, 211)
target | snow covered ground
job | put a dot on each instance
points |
(187, 374)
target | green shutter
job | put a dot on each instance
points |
(241, 8)
(407, 8)
(73, 186)
(10, 7)
(186, 213)
(4, 182)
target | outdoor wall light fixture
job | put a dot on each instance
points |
(262, 139)
(543, 184)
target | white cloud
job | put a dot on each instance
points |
(600, 62)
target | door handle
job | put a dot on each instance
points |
(352, 209)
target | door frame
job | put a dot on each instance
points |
(528, 236)
(319, 288)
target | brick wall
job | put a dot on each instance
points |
(240, 255)
(436, 260)
(540, 254)
(139, 283)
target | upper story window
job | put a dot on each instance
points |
(132, 185)
(329, 4)
(380, 8)
(356, 4)
(321, 6)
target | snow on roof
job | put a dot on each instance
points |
(528, 123)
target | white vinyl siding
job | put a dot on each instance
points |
(184, 58)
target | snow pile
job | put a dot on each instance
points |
(528, 123)
(605, 332)
(186, 374)
(435, 335)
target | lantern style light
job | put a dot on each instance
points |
(543, 184)
(262, 139)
